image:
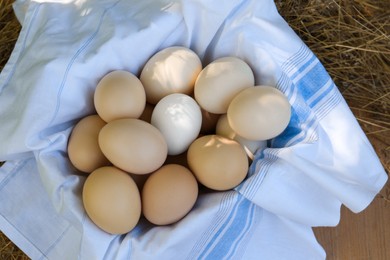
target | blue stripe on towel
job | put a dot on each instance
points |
(264, 161)
(226, 241)
(310, 91)
(82, 48)
(312, 95)
(226, 205)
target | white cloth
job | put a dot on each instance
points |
(321, 161)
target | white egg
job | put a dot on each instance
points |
(179, 119)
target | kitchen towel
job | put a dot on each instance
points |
(321, 161)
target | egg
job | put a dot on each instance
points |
(220, 81)
(119, 94)
(178, 117)
(259, 113)
(169, 194)
(217, 162)
(223, 129)
(112, 200)
(171, 70)
(83, 148)
(133, 145)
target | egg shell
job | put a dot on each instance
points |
(133, 145)
(259, 113)
(217, 162)
(119, 94)
(83, 148)
(220, 81)
(178, 117)
(169, 194)
(224, 129)
(112, 200)
(171, 70)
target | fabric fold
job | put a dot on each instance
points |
(321, 161)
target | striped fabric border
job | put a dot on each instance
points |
(228, 232)
(312, 95)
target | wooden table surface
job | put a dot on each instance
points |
(365, 235)
(362, 236)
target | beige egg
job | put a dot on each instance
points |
(112, 200)
(251, 146)
(220, 81)
(217, 162)
(171, 70)
(259, 113)
(83, 148)
(119, 94)
(133, 145)
(169, 194)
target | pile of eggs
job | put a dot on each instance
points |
(158, 137)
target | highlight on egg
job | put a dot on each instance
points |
(217, 162)
(178, 117)
(171, 70)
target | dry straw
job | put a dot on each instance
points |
(352, 40)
